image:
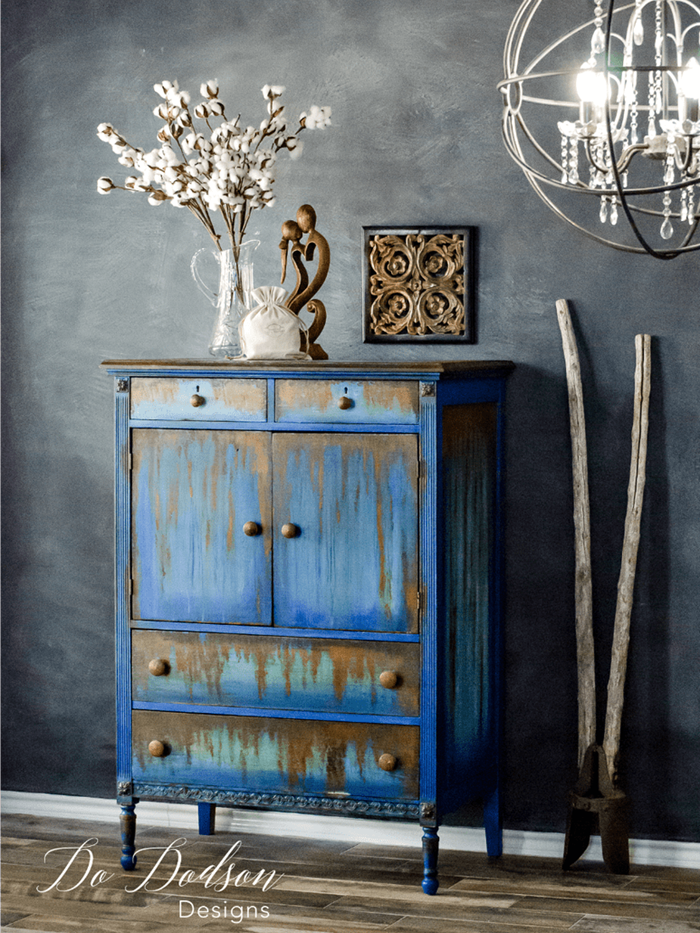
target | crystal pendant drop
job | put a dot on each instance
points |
(666, 229)
(603, 209)
(598, 41)
(613, 212)
(638, 31)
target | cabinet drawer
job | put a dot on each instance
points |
(262, 672)
(199, 399)
(359, 402)
(277, 755)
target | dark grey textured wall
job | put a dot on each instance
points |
(416, 140)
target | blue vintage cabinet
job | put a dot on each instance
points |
(308, 563)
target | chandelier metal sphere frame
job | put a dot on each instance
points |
(634, 130)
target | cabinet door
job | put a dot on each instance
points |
(192, 493)
(353, 501)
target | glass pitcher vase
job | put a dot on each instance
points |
(232, 299)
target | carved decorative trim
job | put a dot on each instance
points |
(428, 814)
(122, 385)
(125, 789)
(419, 284)
(382, 808)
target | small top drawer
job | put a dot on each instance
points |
(354, 402)
(198, 399)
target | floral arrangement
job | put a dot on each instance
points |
(225, 167)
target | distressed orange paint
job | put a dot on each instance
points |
(247, 749)
(170, 398)
(305, 399)
(243, 666)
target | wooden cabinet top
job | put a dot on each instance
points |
(439, 368)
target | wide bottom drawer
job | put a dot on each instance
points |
(276, 755)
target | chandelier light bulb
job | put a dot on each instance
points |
(592, 90)
(591, 86)
(690, 79)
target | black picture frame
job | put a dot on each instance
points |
(385, 289)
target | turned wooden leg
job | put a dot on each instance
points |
(127, 820)
(430, 858)
(207, 818)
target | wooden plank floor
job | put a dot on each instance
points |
(318, 887)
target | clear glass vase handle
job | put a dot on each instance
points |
(201, 284)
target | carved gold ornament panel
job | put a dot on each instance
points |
(419, 284)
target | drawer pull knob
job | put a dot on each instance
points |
(387, 762)
(289, 530)
(344, 402)
(388, 679)
(196, 401)
(158, 667)
(251, 529)
(157, 748)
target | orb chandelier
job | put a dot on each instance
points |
(604, 120)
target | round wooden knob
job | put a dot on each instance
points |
(388, 679)
(251, 529)
(344, 402)
(387, 762)
(289, 530)
(157, 748)
(158, 667)
(196, 401)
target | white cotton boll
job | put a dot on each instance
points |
(216, 107)
(105, 185)
(104, 131)
(295, 147)
(157, 198)
(170, 174)
(159, 89)
(201, 111)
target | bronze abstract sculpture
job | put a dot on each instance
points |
(293, 232)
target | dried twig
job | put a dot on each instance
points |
(585, 654)
(630, 545)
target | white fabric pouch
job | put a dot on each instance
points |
(271, 331)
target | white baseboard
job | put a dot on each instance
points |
(376, 832)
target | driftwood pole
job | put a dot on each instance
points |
(585, 654)
(630, 545)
